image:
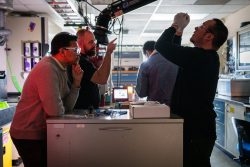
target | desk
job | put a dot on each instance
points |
(114, 142)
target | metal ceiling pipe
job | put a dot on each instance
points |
(2, 18)
(5, 6)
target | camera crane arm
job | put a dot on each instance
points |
(112, 11)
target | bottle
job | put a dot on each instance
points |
(102, 102)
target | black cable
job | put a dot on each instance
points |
(92, 5)
(118, 60)
(120, 52)
(119, 30)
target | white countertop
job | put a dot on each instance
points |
(116, 119)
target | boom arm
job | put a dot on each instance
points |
(114, 10)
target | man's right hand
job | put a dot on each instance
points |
(77, 74)
(181, 20)
(111, 46)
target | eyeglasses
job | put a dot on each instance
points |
(91, 42)
(205, 28)
(75, 50)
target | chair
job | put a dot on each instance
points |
(243, 131)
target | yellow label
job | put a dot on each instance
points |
(3, 105)
(231, 109)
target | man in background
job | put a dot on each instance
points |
(156, 76)
(89, 96)
(196, 83)
(45, 94)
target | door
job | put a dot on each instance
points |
(237, 111)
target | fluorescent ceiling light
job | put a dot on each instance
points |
(169, 17)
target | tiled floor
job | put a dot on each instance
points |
(218, 159)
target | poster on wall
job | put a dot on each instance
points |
(27, 49)
(35, 49)
(32, 55)
(231, 54)
(27, 64)
(35, 61)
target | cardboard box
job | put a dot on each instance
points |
(234, 87)
(149, 111)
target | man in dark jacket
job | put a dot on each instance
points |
(89, 93)
(156, 76)
(196, 84)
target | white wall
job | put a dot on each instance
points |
(233, 21)
(19, 27)
(53, 29)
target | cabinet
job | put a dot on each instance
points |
(113, 143)
(219, 108)
(124, 78)
(6, 115)
(1, 147)
(7, 147)
(237, 111)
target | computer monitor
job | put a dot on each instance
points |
(120, 94)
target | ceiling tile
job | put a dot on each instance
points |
(159, 24)
(178, 2)
(17, 2)
(101, 2)
(239, 2)
(19, 7)
(137, 17)
(189, 9)
(145, 9)
(229, 8)
(32, 1)
(211, 2)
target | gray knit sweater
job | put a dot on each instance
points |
(45, 93)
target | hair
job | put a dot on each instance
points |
(81, 32)
(61, 40)
(220, 32)
(148, 46)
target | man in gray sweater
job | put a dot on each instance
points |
(45, 93)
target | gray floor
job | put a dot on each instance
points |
(220, 159)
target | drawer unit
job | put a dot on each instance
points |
(220, 132)
(95, 142)
(219, 108)
(220, 117)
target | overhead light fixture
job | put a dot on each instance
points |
(170, 17)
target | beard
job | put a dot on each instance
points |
(91, 52)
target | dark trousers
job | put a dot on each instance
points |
(32, 152)
(197, 152)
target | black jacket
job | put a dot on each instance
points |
(196, 83)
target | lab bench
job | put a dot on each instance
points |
(227, 107)
(111, 141)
